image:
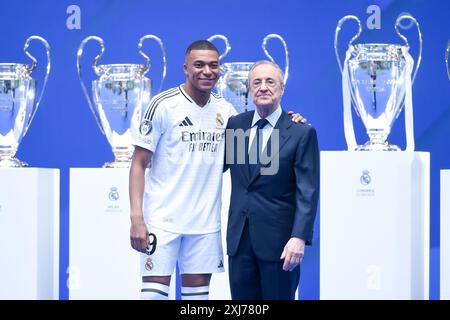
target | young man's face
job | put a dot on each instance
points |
(266, 87)
(202, 69)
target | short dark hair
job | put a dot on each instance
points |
(201, 45)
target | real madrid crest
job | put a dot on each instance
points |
(113, 194)
(219, 120)
(365, 178)
(149, 264)
(145, 127)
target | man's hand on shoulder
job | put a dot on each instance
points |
(296, 117)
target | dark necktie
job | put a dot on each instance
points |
(256, 145)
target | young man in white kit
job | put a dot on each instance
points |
(179, 200)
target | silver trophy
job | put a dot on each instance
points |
(232, 84)
(18, 91)
(446, 59)
(376, 78)
(120, 96)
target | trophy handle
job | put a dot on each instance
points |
(148, 62)
(286, 53)
(446, 58)
(419, 59)
(336, 35)
(98, 71)
(227, 44)
(33, 66)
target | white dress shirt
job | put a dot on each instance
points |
(267, 130)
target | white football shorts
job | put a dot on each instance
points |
(195, 253)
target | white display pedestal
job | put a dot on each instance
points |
(102, 264)
(374, 225)
(29, 233)
(219, 288)
(445, 235)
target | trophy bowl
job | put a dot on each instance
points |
(18, 104)
(17, 93)
(377, 80)
(377, 77)
(120, 95)
(232, 84)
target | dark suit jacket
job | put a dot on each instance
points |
(277, 206)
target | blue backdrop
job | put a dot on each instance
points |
(64, 133)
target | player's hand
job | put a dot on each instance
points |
(139, 235)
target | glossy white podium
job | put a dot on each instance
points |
(445, 235)
(29, 233)
(374, 225)
(102, 264)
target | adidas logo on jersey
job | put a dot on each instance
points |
(186, 123)
(220, 264)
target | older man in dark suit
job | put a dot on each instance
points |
(274, 165)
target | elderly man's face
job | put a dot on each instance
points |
(266, 87)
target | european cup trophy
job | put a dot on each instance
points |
(120, 96)
(18, 91)
(232, 84)
(376, 78)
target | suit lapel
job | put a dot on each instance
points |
(282, 125)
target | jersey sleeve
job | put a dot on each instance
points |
(151, 127)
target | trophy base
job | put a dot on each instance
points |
(10, 162)
(117, 164)
(368, 146)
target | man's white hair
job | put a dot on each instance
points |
(273, 64)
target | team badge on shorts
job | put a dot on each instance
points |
(219, 120)
(145, 127)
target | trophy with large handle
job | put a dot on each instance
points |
(232, 84)
(18, 104)
(377, 78)
(120, 96)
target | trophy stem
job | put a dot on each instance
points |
(377, 142)
(121, 160)
(8, 161)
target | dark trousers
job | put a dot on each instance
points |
(255, 279)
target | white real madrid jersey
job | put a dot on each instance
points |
(184, 183)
